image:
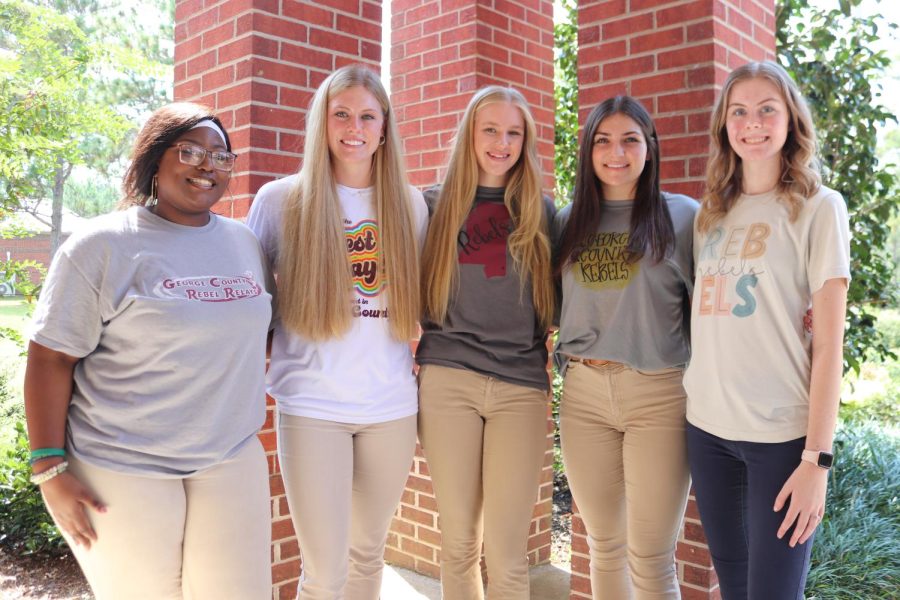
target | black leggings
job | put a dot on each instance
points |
(736, 484)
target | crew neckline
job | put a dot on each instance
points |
(152, 216)
(353, 190)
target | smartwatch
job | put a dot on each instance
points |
(823, 460)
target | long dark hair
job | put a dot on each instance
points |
(651, 224)
(163, 127)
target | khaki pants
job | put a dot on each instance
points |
(343, 484)
(485, 441)
(206, 536)
(624, 448)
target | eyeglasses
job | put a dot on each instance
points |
(191, 154)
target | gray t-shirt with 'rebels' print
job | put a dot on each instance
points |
(633, 313)
(491, 326)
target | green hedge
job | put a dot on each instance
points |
(856, 555)
(25, 525)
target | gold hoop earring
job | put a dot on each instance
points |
(153, 199)
(381, 141)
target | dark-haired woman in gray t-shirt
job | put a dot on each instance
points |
(625, 264)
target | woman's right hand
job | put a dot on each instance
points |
(68, 501)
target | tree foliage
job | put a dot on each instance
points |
(74, 77)
(44, 58)
(833, 57)
(565, 74)
(89, 196)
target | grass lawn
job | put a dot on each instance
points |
(13, 310)
(13, 315)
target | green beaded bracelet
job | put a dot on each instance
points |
(42, 453)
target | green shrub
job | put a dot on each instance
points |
(25, 525)
(881, 407)
(11, 408)
(856, 555)
(889, 327)
(560, 481)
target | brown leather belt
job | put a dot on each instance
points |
(593, 362)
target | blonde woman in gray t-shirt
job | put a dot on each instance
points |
(483, 385)
(625, 265)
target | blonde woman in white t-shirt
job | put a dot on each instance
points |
(144, 382)
(770, 241)
(343, 236)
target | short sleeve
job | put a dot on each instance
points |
(549, 209)
(68, 317)
(420, 216)
(431, 196)
(829, 242)
(265, 218)
(557, 229)
(683, 211)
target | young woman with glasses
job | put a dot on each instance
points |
(144, 382)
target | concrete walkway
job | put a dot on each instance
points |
(548, 582)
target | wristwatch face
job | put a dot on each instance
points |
(826, 459)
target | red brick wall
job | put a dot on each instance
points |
(441, 52)
(36, 248)
(674, 56)
(257, 63)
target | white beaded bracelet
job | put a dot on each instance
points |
(45, 476)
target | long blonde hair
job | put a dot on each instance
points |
(528, 244)
(314, 274)
(799, 178)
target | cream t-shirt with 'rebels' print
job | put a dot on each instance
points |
(748, 378)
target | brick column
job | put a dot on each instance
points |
(257, 63)
(441, 53)
(674, 56)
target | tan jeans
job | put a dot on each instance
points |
(206, 536)
(624, 448)
(343, 484)
(484, 440)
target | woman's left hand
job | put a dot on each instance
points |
(806, 489)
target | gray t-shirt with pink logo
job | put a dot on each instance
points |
(170, 323)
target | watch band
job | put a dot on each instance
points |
(821, 459)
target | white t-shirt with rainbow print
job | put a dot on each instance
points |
(366, 376)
